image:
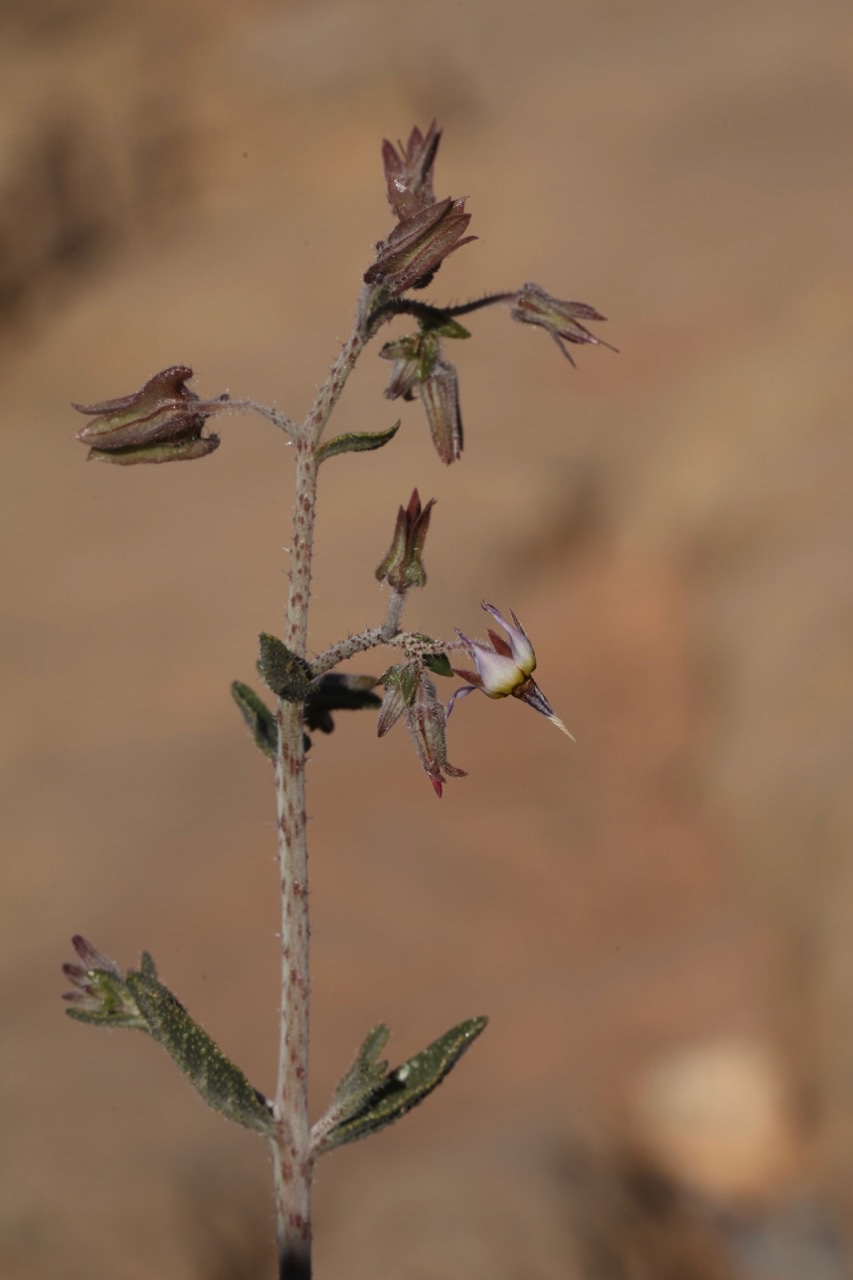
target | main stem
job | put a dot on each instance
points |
(291, 1143)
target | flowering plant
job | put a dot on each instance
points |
(165, 422)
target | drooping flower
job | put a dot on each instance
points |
(439, 395)
(421, 372)
(162, 422)
(409, 692)
(504, 668)
(532, 305)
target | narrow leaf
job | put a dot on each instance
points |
(356, 442)
(214, 1077)
(402, 1088)
(259, 720)
(358, 1085)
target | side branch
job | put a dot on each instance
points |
(411, 642)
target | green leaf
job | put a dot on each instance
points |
(356, 442)
(439, 663)
(259, 720)
(384, 1101)
(214, 1077)
(288, 675)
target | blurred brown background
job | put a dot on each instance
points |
(658, 919)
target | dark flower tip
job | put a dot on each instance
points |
(408, 171)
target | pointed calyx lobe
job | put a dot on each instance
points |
(162, 422)
(408, 171)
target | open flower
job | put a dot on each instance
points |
(504, 668)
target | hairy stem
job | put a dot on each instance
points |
(408, 641)
(291, 1143)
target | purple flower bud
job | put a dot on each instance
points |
(403, 566)
(532, 305)
(504, 668)
(161, 423)
(408, 171)
(418, 245)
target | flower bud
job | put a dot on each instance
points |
(408, 171)
(403, 566)
(418, 245)
(161, 423)
(532, 305)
